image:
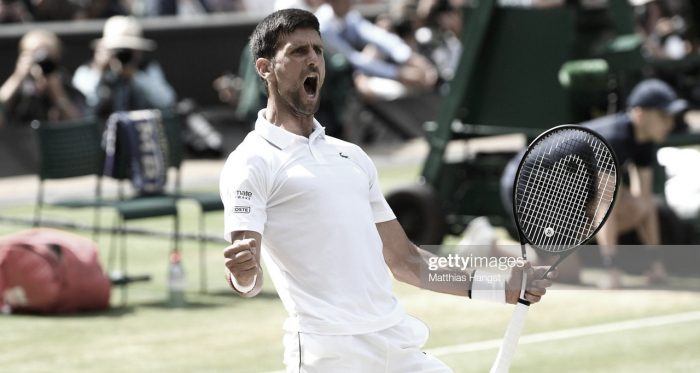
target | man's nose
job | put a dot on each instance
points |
(314, 58)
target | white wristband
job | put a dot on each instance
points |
(242, 289)
(488, 286)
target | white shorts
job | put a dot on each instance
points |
(393, 350)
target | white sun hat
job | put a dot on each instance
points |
(124, 32)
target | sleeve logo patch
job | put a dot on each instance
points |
(243, 194)
(241, 210)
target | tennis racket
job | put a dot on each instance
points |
(563, 192)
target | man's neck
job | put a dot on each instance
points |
(279, 115)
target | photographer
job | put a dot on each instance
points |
(119, 78)
(39, 88)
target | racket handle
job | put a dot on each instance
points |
(510, 341)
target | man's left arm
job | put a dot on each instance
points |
(641, 186)
(641, 181)
(405, 261)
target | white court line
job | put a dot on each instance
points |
(565, 334)
(570, 333)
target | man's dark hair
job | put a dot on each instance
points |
(266, 36)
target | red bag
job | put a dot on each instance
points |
(50, 271)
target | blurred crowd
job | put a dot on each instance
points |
(413, 48)
(117, 78)
(65, 10)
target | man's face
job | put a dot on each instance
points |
(299, 70)
(657, 124)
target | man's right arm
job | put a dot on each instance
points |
(244, 192)
(242, 260)
(12, 85)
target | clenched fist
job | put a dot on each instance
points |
(241, 260)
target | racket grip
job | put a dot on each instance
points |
(510, 341)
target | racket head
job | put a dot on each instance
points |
(565, 188)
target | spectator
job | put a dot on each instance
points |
(261, 7)
(119, 78)
(55, 10)
(13, 11)
(39, 88)
(665, 27)
(365, 46)
(221, 6)
(438, 36)
(310, 5)
(190, 7)
(101, 9)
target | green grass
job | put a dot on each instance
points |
(221, 332)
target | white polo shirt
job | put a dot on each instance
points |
(315, 202)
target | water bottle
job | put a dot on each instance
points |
(176, 282)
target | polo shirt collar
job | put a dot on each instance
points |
(280, 137)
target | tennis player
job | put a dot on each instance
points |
(314, 203)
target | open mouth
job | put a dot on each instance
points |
(310, 85)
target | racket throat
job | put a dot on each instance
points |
(523, 286)
(562, 256)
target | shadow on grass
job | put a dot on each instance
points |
(191, 305)
(114, 311)
(231, 293)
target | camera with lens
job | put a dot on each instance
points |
(44, 60)
(124, 55)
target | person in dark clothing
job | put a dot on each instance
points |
(15, 11)
(651, 108)
(39, 88)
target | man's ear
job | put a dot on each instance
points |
(263, 67)
(636, 114)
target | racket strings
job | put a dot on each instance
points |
(554, 196)
(569, 193)
(574, 217)
(565, 188)
(551, 191)
(556, 189)
(606, 169)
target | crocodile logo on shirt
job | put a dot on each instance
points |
(341, 154)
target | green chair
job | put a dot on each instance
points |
(70, 149)
(208, 202)
(165, 204)
(138, 207)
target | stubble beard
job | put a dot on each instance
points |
(295, 101)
